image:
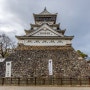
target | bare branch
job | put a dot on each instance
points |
(5, 44)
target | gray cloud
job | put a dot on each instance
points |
(74, 15)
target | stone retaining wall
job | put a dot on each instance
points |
(34, 63)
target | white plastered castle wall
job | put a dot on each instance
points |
(45, 42)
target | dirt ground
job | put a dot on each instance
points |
(41, 88)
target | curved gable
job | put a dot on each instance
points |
(45, 30)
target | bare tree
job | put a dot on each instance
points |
(5, 44)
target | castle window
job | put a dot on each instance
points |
(44, 41)
(29, 41)
(37, 41)
(59, 41)
(52, 41)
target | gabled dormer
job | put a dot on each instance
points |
(45, 30)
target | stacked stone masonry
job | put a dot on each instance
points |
(34, 63)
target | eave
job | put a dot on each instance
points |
(61, 31)
(28, 31)
(44, 37)
(33, 25)
(44, 14)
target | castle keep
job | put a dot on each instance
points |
(45, 51)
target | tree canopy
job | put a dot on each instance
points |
(83, 55)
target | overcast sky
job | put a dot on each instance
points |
(73, 15)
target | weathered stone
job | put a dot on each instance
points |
(31, 63)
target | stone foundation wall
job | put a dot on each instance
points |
(34, 63)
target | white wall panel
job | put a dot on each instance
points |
(8, 69)
(45, 42)
(50, 67)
